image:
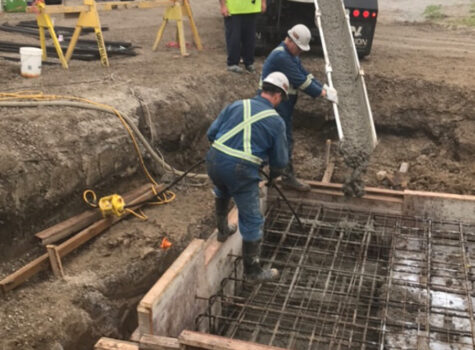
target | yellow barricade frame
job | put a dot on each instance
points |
(89, 18)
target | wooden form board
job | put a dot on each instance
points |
(441, 206)
(215, 342)
(114, 344)
(171, 305)
(154, 342)
(331, 195)
(187, 340)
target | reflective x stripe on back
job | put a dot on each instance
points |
(245, 127)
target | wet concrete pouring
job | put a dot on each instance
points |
(423, 113)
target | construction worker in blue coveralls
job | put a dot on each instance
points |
(246, 135)
(240, 18)
(285, 58)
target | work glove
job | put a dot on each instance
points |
(274, 173)
(331, 94)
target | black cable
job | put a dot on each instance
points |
(284, 198)
(173, 183)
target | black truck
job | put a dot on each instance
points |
(281, 15)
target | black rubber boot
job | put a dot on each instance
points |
(224, 230)
(289, 181)
(253, 272)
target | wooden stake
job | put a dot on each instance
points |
(327, 152)
(327, 176)
(55, 261)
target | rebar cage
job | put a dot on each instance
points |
(354, 280)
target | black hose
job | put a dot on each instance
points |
(174, 182)
(284, 198)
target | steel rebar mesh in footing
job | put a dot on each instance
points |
(354, 280)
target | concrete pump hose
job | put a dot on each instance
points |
(129, 121)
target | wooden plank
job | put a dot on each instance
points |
(78, 222)
(443, 206)
(69, 226)
(327, 176)
(55, 261)
(21, 275)
(216, 342)
(41, 263)
(369, 190)
(178, 286)
(155, 342)
(114, 344)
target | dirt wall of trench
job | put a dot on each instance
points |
(49, 155)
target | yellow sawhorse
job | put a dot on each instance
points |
(176, 13)
(89, 18)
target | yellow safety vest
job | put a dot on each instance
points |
(239, 7)
(245, 127)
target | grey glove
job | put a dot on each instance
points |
(274, 174)
(331, 94)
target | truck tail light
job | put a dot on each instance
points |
(356, 13)
(365, 13)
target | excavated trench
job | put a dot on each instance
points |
(45, 167)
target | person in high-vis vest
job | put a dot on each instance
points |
(240, 18)
(285, 58)
(246, 135)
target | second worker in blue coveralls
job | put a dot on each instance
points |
(246, 135)
(285, 58)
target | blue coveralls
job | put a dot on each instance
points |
(237, 177)
(281, 60)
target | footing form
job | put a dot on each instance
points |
(389, 271)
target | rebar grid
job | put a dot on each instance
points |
(355, 280)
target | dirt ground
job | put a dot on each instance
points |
(421, 84)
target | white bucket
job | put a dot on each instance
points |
(30, 58)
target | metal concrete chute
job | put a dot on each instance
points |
(328, 67)
(352, 114)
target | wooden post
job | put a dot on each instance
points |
(329, 166)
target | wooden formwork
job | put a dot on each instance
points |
(441, 206)
(187, 340)
(173, 303)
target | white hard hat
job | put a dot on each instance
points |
(280, 80)
(301, 36)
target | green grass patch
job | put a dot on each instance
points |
(433, 12)
(472, 8)
(468, 21)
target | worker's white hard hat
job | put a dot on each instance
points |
(280, 80)
(301, 36)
